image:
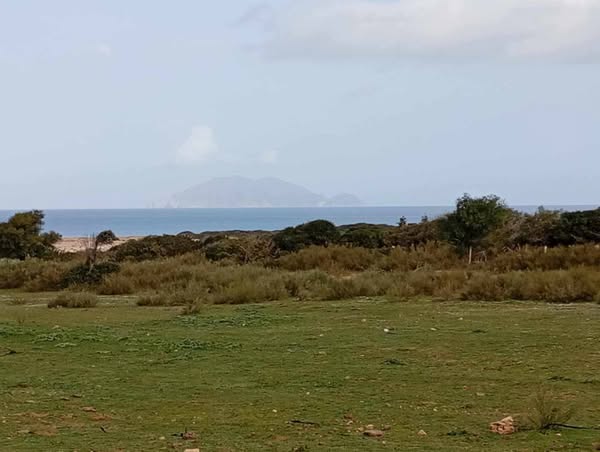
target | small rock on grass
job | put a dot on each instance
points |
(373, 433)
(188, 436)
(504, 426)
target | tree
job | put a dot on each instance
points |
(579, 227)
(472, 221)
(94, 243)
(21, 236)
(318, 232)
(540, 229)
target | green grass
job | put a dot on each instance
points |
(237, 375)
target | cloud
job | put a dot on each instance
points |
(104, 50)
(199, 146)
(564, 30)
(269, 157)
(256, 13)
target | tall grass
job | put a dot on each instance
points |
(330, 259)
(74, 300)
(33, 275)
(336, 273)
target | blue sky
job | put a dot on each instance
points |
(401, 102)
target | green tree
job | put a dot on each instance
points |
(472, 221)
(21, 236)
(318, 232)
(578, 227)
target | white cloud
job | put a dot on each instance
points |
(269, 157)
(104, 50)
(456, 29)
(256, 13)
(200, 145)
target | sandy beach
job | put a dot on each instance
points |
(77, 244)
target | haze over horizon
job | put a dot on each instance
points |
(111, 104)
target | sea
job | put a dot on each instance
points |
(141, 222)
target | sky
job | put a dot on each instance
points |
(110, 104)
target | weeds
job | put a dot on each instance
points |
(546, 413)
(74, 300)
(332, 273)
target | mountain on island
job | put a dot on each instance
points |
(232, 192)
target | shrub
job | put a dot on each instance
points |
(364, 237)
(155, 247)
(242, 250)
(484, 287)
(334, 258)
(309, 285)
(414, 235)
(318, 232)
(32, 275)
(369, 284)
(85, 275)
(252, 291)
(74, 300)
(116, 284)
(432, 256)
(536, 258)
(445, 285)
(21, 237)
(579, 227)
(546, 413)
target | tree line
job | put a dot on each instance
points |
(476, 225)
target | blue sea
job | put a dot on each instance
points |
(127, 222)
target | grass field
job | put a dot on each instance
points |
(122, 377)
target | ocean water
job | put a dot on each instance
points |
(125, 222)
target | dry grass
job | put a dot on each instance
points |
(335, 273)
(545, 412)
(74, 300)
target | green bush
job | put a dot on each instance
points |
(545, 412)
(21, 237)
(414, 235)
(240, 249)
(363, 237)
(84, 275)
(578, 227)
(318, 232)
(155, 247)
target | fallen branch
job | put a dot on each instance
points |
(300, 421)
(574, 427)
